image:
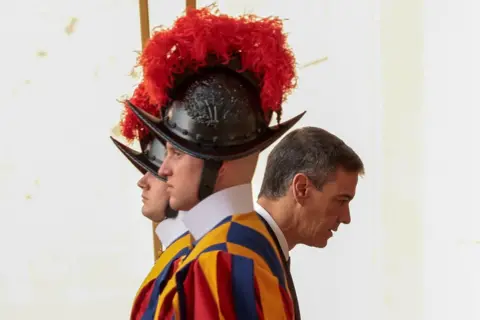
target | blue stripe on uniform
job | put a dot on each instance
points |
(255, 241)
(243, 288)
(159, 285)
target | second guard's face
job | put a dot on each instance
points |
(183, 173)
(326, 209)
(154, 197)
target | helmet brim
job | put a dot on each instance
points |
(160, 129)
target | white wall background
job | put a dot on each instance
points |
(399, 85)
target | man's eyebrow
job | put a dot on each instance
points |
(345, 195)
(173, 149)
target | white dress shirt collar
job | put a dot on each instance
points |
(276, 229)
(218, 206)
(171, 229)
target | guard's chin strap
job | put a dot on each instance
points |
(170, 213)
(208, 178)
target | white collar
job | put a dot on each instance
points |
(171, 229)
(276, 229)
(216, 207)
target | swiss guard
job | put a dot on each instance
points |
(171, 231)
(218, 80)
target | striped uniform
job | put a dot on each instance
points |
(234, 272)
(146, 298)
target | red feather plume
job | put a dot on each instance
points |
(131, 127)
(260, 42)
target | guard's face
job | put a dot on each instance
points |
(326, 209)
(154, 197)
(183, 174)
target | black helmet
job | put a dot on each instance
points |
(149, 159)
(152, 149)
(217, 87)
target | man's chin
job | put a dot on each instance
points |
(177, 208)
(147, 214)
(151, 215)
(174, 204)
(320, 243)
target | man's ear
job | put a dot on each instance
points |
(300, 188)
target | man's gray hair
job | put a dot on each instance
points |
(312, 151)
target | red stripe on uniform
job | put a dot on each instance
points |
(224, 285)
(141, 303)
(287, 302)
(200, 302)
(259, 301)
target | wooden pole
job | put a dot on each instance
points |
(144, 22)
(191, 4)
(145, 35)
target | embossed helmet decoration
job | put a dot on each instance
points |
(152, 149)
(217, 79)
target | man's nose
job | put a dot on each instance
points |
(142, 183)
(164, 169)
(345, 217)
